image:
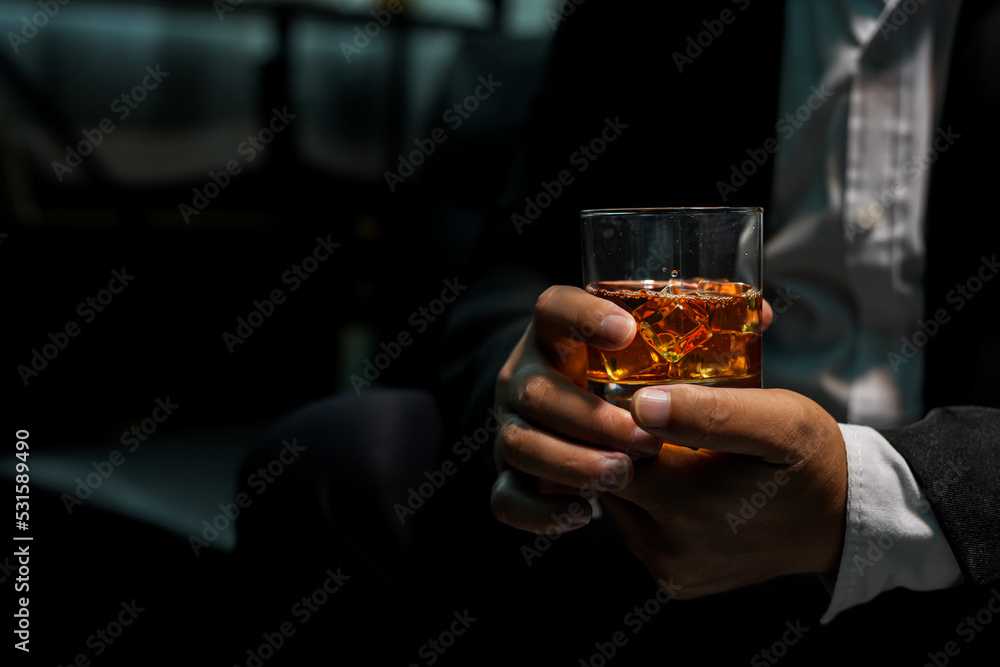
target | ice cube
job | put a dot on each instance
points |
(621, 365)
(688, 343)
(680, 287)
(737, 313)
(721, 287)
(725, 355)
(672, 327)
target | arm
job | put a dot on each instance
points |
(766, 494)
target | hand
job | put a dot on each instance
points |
(561, 442)
(558, 437)
(764, 494)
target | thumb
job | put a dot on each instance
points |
(764, 423)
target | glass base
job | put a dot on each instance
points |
(620, 394)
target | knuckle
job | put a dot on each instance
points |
(512, 442)
(718, 415)
(799, 432)
(535, 392)
(509, 435)
(607, 424)
(542, 302)
(515, 360)
(503, 377)
(499, 501)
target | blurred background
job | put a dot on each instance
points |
(118, 120)
(222, 75)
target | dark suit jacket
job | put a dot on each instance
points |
(681, 128)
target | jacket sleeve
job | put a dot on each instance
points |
(954, 453)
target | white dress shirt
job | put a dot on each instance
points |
(861, 90)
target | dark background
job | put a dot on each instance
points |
(162, 336)
(323, 175)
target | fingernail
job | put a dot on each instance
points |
(644, 443)
(614, 474)
(616, 329)
(652, 407)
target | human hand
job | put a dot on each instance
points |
(764, 494)
(560, 442)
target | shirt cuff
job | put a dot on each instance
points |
(893, 539)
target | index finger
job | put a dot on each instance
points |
(564, 312)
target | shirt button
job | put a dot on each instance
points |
(870, 215)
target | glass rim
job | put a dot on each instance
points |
(658, 210)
